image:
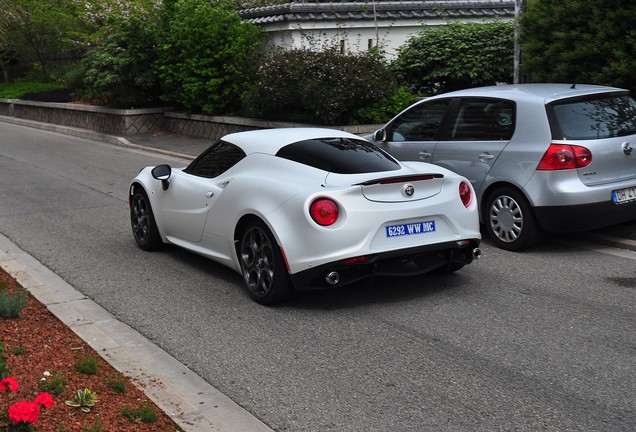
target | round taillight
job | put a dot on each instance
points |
(465, 193)
(324, 211)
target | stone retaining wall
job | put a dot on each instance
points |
(141, 121)
(107, 120)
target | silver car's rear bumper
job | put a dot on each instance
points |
(584, 216)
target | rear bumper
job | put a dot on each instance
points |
(404, 262)
(584, 217)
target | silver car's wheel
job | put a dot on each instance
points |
(142, 221)
(262, 265)
(510, 221)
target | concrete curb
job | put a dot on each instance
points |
(192, 403)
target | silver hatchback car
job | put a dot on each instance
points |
(541, 157)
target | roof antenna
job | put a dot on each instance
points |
(573, 86)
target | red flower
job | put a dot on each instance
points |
(44, 399)
(9, 384)
(24, 411)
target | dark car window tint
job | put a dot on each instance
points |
(482, 119)
(420, 123)
(216, 160)
(600, 118)
(339, 155)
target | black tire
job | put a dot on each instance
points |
(262, 266)
(143, 222)
(509, 220)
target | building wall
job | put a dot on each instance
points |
(354, 27)
(349, 38)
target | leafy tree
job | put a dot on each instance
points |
(455, 56)
(207, 56)
(49, 34)
(122, 68)
(42, 31)
(591, 41)
(318, 87)
(7, 53)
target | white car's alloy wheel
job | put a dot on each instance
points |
(262, 265)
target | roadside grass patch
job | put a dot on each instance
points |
(19, 89)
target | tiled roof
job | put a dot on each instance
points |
(384, 10)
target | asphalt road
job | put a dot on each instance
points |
(542, 340)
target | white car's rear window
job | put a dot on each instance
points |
(340, 155)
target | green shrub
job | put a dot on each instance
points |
(122, 69)
(88, 364)
(143, 412)
(384, 110)
(19, 350)
(116, 383)
(580, 41)
(11, 304)
(54, 384)
(5, 369)
(324, 87)
(455, 56)
(208, 55)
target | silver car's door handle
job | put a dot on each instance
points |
(209, 194)
(424, 155)
(486, 156)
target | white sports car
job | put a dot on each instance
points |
(307, 208)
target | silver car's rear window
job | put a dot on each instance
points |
(604, 117)
(340, 155)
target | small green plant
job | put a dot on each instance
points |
(11, 304)
(19, 350)
(143, 412)
(88, 365)
(53, 383)
(115, 382)
(95, 427)
(5, 369)
(84, 400)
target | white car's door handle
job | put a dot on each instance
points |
(424, 155)
(209, 194)
(486, 156)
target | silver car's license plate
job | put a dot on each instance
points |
(410, 228)
(623, 196)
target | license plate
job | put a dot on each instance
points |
(623, 196)
(410, 229)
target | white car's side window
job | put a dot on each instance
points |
(216, 160)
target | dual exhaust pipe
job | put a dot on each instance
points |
(332, 278)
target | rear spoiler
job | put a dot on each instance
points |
(401, 179)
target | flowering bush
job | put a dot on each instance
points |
(22, 415)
